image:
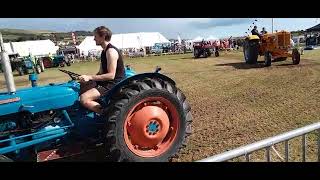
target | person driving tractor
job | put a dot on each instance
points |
(263, 31)
(111, 72)
(255, 31)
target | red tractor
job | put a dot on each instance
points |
(205, 48)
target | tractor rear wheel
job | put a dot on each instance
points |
(149, 120)
(205, 53)
(216, 53)
(251, 51)
(267, 59)
(196, 53)
(295, 56)
(41, 65)
(209, 52)
(38, 69)
(20, 71)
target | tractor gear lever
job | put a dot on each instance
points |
(158, 68)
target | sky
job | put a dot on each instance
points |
(187, 28)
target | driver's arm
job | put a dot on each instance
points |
(112, 56)
(100, 70)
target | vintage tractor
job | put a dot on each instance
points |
(205, 49)
(60, 60)
(145, 118)
(274, 47)
(56, 60)
(27, 65)
(312, 42)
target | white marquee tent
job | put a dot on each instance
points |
(211, 38)
(124, 41)
(197, 39)
(38, 47)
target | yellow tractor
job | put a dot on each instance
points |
(273, 46)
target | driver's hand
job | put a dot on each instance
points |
(85, 78)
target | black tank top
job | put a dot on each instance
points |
(120, 66)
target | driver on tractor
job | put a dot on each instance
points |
(263, 31)
(111, 72)
(255, 32)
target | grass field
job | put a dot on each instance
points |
(232, 103)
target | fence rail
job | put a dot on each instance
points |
(268, 145)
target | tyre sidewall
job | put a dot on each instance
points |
(124, 112)
(5, 159)
(38, 69)
(267, 59)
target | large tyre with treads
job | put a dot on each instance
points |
(267, 59)
(295, 56)
(148, 120)
(251, 51)
(196, 53)
(5, 159)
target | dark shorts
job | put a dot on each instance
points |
(103, 89)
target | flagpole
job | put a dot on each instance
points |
(272, 25)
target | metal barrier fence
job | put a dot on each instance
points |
(269, 143)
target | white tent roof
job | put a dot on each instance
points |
(38, 47)
(197, 39)
(123, 41)
(211, 38)
(88, 44)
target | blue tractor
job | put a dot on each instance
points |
(146, 118)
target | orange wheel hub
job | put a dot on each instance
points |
(148, 127)
(151, 127)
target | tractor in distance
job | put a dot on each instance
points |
(273, 46)
(205, 49)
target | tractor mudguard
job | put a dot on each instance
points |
(253, 37)
(106, 97)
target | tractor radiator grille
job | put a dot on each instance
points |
(284, 39)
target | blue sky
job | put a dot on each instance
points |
(169, 27)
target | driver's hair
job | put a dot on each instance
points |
(103, 31)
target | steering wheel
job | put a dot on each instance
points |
(73, 76)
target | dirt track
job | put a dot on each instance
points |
(233, 104)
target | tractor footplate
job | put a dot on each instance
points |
(67, 151)
(59, 153)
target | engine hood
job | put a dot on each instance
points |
(40, 98)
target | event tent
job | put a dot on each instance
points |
(124, 41)
(37, 47)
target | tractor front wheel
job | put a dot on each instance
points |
(149, 120)
(295, 56)
(267, 59)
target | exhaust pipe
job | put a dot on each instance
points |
(6, 67)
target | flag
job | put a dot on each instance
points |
(179, 39)
(74, 38)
